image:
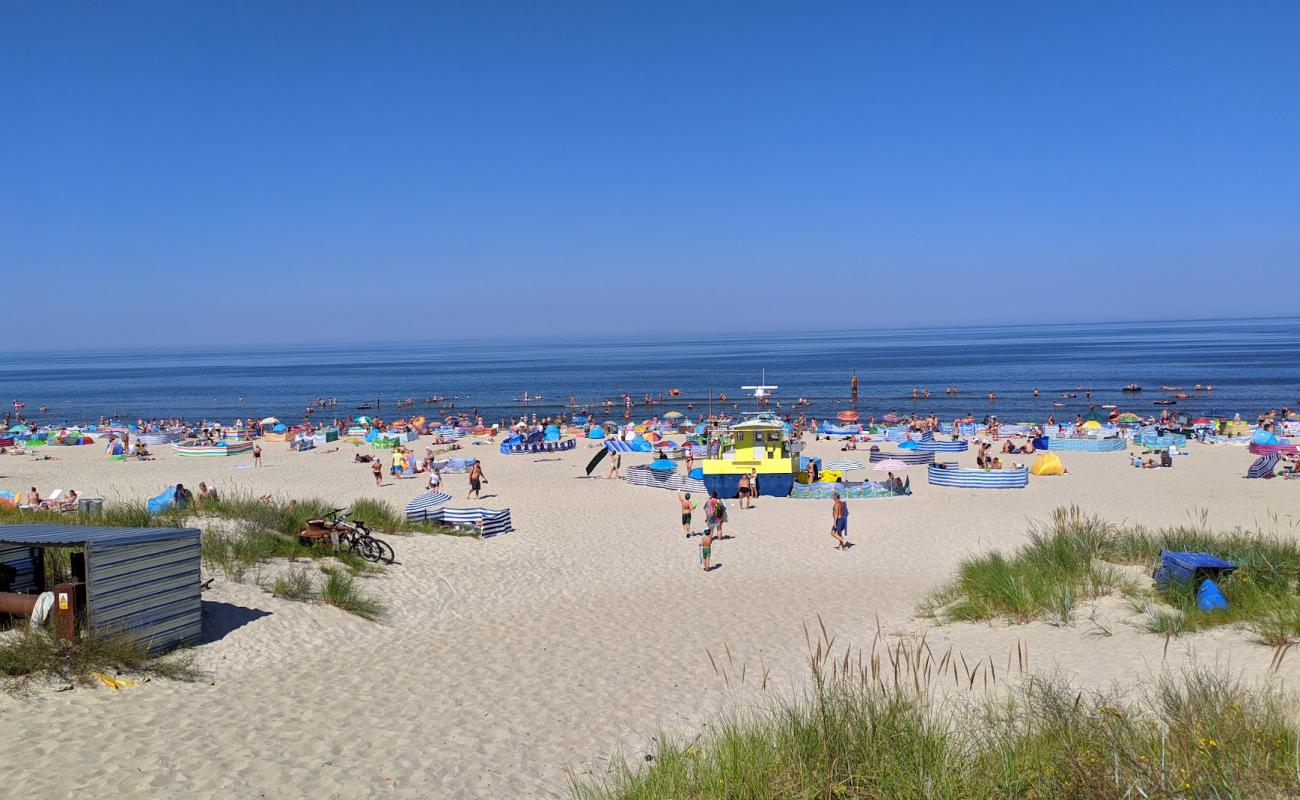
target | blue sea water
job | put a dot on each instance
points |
(1253, 364)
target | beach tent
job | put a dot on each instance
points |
(596, 432)
(1263, 466)
(162, 502)
(1047, 464)
(663, 464)
(551, 434)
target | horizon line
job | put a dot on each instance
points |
(569, 339)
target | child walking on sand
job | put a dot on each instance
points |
(706, 549)
(685, 501)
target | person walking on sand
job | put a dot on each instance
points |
(476, 480)
(615, 462)
(713, 514)
(685, 501)
(257, 455)
(377, 468)
(706, 550)
(690, 458)
(839, 521)
(746, 488)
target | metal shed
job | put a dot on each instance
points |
(144, 582)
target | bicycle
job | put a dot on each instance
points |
(347, 535)
(366, 544)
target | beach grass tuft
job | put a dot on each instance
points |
(874, 726)
(1075, 556)
(26, 655)
(341, 591)
(295, 584)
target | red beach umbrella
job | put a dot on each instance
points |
(847, 416)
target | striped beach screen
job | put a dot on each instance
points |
(951, 475)
(1264, 466)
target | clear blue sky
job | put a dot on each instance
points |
(570, 169)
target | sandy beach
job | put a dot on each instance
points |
(506, 665)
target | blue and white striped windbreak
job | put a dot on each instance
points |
(950, 475)
(1263, 466)
(418, 509)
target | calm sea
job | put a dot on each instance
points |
(1253, 365)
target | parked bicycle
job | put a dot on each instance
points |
(347, 535)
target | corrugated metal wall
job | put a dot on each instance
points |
(19, 556)
(150, 590)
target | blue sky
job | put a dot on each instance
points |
(566, 169)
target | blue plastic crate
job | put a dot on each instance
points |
(1187, 567)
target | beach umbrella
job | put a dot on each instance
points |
(673, 415)
(19, 429)
(847, 416)
(667, 444)
(361, 420)
(418, 509)
(889, 465)
(663, 465)
(1200, 421)
(846, 464)
(270, 421)
(1128, 417)
(1092, 425)
(1263, 466)
(1093, 417)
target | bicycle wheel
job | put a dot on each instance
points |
(367, 549)
(386, 554)
(352, 543)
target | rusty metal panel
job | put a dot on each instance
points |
(146, 589)
(23, 561)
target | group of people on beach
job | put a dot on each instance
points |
(715, 518)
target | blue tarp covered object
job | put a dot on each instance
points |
(163, 501)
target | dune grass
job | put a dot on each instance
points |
(341, 591)
(876, 728)
(1074, 557)
(27, 655)
(296, 584)
(1044, 578)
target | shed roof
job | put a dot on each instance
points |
(52, 535)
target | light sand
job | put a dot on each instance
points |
(505, 663)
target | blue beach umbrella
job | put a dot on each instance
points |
(663, 465)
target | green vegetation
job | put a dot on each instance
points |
(1076, 556)
(241, 533)
(295, 584)
(26, 655)
(341, 591)
(885, 729)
